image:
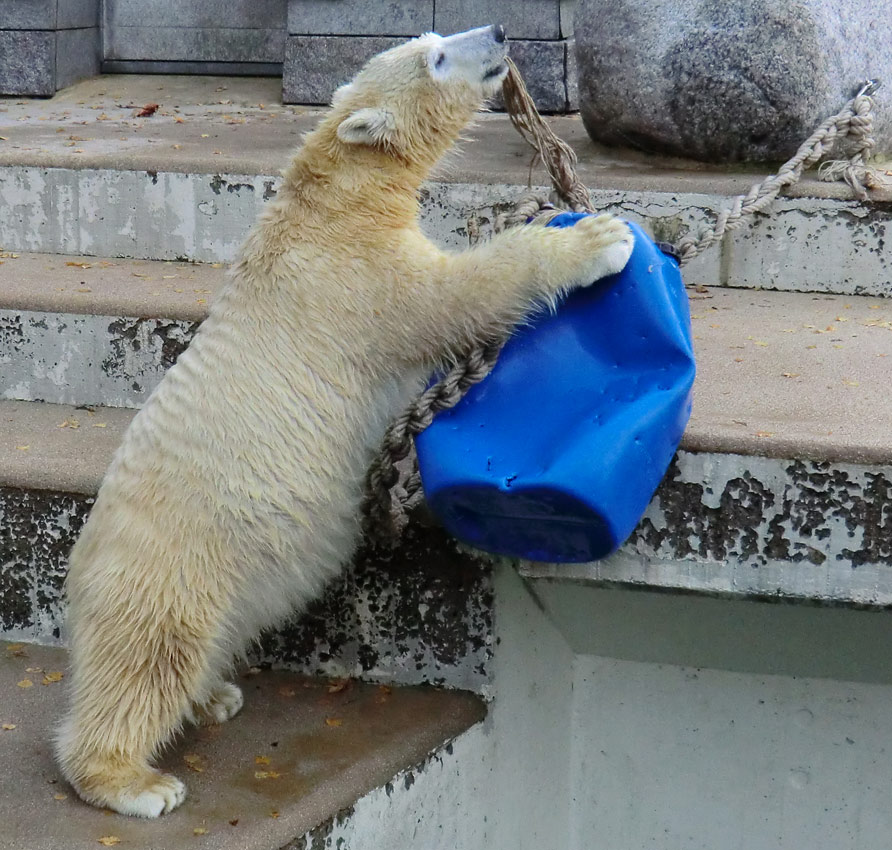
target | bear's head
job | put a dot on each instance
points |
(412, 102)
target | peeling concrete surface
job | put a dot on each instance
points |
(423, 614)
(92, 360)
(758, 528)
(813, 244)
(37, 530)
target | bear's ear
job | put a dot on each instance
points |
(367, 127)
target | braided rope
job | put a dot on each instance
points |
(854, 120)
(396, 468)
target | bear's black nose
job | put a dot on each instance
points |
(498, 33)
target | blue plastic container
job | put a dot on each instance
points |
(556, 454)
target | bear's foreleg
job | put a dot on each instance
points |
(494, 285)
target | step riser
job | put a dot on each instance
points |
(423, 616)
(722, 524)
(63, 358)
(759, 528)
(806, 244)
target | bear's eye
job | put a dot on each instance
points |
(440, 60)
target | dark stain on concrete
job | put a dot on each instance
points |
(171, 338)
(12, 332)
(427, 607)
(37, 531)
(799, 518)
(219, 183)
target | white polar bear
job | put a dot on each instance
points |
(235, 494)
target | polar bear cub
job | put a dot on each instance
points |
(236, 492)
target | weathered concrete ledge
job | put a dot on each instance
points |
(298, 755)
(82, 174)
(757, 528)
(232, 125)
(782, 375)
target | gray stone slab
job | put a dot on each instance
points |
(521, 18)
(78, 14)
(359, 17)
(544, 68)
(87, 360)
(727, 81)
(78, 55)
(27, 62)
(314, 771)
(204, 14)
(217, 69)
(28, 14)
(194, 44)
(316, 65)
(48, 14)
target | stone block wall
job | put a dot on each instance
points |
(198, 36)
(316, 45)
(46, 45)
(329, 40)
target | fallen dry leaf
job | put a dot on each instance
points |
(60, 797)
(25, 683)
(34, 669)
(764, 433)
(261, 759)
(194, 762)
(78, 265)
(109, 840)
(8, 727)
(148, 110)
(334, 721)
(54, 676)
(15, 648)
(339, 685)
(266, 774)
(200, 830)
(233, 822)
(791, 374)
(22, 448)
(273, 813)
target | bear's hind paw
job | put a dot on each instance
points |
(224, 703)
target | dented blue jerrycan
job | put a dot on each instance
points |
(555, 455)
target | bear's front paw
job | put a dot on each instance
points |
(609, 243)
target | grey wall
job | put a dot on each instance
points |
(199, 36)
(46, 45)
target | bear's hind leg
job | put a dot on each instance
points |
(224, 702)
(128, 698)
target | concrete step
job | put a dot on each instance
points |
(84, 330)
(781, 375)
(303, 761)
(80, 173)
(780, 490)
(422, 615)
